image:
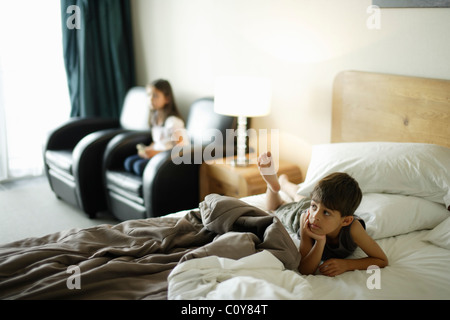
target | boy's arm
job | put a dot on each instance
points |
(375, 255)
(310, 261)
(311, 253)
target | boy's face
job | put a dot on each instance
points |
(324, 221)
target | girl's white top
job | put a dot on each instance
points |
(165, 137)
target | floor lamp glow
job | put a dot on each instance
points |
(242, 97)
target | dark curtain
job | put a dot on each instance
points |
(98, 54)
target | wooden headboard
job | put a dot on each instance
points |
(383, 107)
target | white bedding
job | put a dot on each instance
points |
(417, 270)
(413, 230)
(259, 276)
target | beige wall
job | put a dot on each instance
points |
(300, 44)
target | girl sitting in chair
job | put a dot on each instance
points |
(166, 124)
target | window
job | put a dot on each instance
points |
(34, 94)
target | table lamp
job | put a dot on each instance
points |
(242, 97)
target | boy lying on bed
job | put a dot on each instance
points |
(326, 224)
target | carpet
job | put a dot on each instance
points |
(32, 210)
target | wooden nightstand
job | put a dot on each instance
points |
(225, 179)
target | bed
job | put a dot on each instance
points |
(392, 133)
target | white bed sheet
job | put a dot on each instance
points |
(417, 270)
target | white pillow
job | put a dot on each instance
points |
(440, 235)
(416, 169)
(135, 110)
(388, 215)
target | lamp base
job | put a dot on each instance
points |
(236, 163)
(241, 159)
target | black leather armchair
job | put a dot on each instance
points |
(73, 152)
(170, 182)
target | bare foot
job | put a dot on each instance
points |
(267, 170)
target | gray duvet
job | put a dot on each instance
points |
(132, 260)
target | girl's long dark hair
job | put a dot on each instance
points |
(170, 109)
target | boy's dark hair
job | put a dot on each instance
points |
(338, 191)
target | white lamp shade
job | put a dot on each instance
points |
(242, 96)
